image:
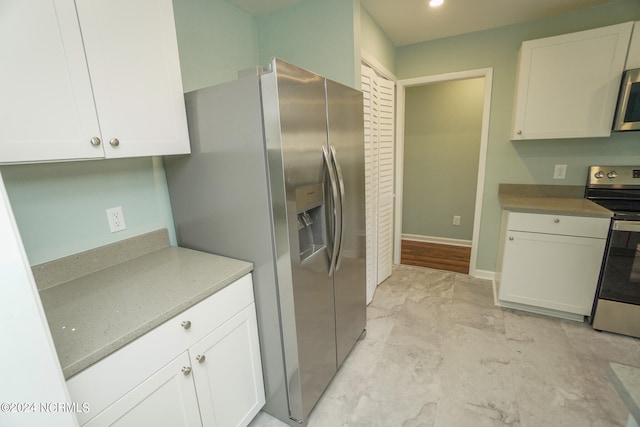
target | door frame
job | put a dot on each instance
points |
(487, 73)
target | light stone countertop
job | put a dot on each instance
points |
(549, 199)
(93, 315)
(626, 381)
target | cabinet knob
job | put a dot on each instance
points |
(186, 370)
(95, 141)
(186, 324)
(511, 238)
(200, 358)
(114, 142)
(519, 132)
(556, 220)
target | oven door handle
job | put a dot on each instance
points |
(620, 225)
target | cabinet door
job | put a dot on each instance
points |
(167, 398)
(633, 57)
(551, 271)
(567, 85)
(132, 53)
(228, 372)
(46, 108)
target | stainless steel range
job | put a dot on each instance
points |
(617, 303)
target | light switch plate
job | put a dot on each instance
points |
(560, 172)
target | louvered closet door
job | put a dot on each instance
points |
(379, 101)
(385, 177)
(370, 100)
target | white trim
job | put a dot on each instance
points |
(541, 310)
(399, 155)
(487, 73)
(438, 240)
(485, 274)
(372, 62)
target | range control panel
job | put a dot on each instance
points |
(613, 176)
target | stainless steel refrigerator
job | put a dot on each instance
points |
(276, 177)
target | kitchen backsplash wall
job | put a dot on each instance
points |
(60, 208)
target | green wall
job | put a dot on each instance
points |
(443, 124)
(60, 208)
(527, 162)
(375, 42)
(215, 40)
(317, 35)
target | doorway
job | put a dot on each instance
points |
(452, 174)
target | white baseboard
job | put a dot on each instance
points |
(542, 310)
(484, 274)
(433, 239)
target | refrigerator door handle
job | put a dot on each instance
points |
(337, 223)
(340, 240)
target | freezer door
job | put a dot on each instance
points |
(295, 127)
(346, 139)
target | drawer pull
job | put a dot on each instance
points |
(186, 324)
(200, 358)
(186, 370)
(511, 238)
(556, 220)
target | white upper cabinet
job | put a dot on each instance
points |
(46, 108)
(132, 52)
(633, 58)
(79, 76)
(567, 85)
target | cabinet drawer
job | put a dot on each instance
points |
(107, 380)
(581, 226)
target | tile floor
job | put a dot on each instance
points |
(439, 353)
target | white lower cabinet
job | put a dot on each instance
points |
(550, 263)
(167, 398)
(227, 372)
(201, 368)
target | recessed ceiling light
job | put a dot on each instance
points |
(435, 3)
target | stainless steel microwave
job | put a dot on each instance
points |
(628, 109)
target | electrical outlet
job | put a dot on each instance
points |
(560, 172)
(116, 219)
(456, 220)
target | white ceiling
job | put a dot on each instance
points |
(413, 21)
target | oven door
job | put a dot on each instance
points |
(617, 306)
(620, 279)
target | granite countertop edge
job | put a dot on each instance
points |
(100, 353)
(549, 199)
(93, 312)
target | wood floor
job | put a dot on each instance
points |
(434, 255)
